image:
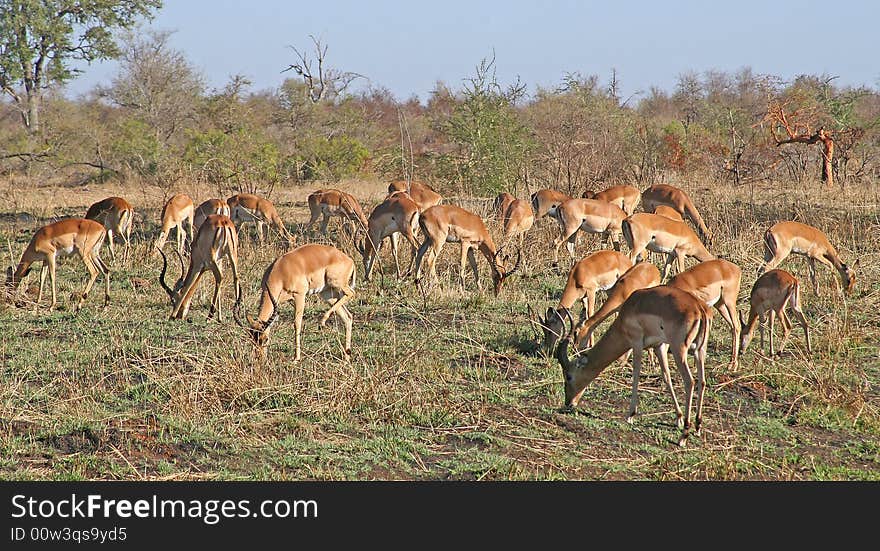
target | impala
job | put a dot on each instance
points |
(546, 201)
(332, 202)
(397, 214)
(662, 194)
(306, 270)
(210, 206)
(641, 276)
(443, 223)
(597, 272)
(668, 212)
(216, 240)
(659, 234)
(65, 237)
(246, 207)
(773, 292)
(591, 216)
(716, 283)
(116, 214)
(502, 201)
(423, 194)
(625, 197)
(518, 219)
(659, 317)
(177, 210)
(784, 238)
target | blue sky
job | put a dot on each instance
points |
(408, 46)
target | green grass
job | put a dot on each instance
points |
(444, 385)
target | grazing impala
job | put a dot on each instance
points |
(62, 238)
(450, 223)
(332, 202)
(641, 276)
(116, 214)
(546, 201)
(397, 214)
(591, 216)
(177, 210)
(773, 292)
(518, 219)
(659, 234)
(502, 201)
(210, 206)
(625, 197)
(420, 192)
(246, 207)
(216, 240)
(716, 283)
(784, 238)
(662, 194)
(662, 318)
(597, 272)
(668, 212)
(304, 271)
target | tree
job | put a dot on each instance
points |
(39, 39)
(321, 82)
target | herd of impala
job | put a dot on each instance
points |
(660, 317)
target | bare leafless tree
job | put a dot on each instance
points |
(321, 82)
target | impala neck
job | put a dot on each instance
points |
(748, 331)
(13, 278)
(487, 247)
(611, 346)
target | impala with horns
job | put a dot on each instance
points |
(116, 214)
(177, 211)
(449, 223)
(773, 292)
(420, 192)
(333, 202)
(545, 202)
(304, 271)
(396, 215)
(208, 207)
(625, 197)
(668, 212)
(784, 238)
(716, 283)
(664, 318)
(247, 207)
(65, 237)
(518, 219)
(663, 194)
(641, 276)
(597, 272)
(590, 216)
(659, 234)
(500, 204)
(216, 240)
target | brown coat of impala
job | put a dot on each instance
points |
(773, 292)
(247, 207)
(668, 212)
(65, 237)
(210, 206)
(517, 220)
(500, 204)
(397, 214)
(624, 196)
(664, 318)
(784, 238)
(333, 202)
(307, 270)
(216, 240)
(641, 276)
(663, 194)
(450, 223)
(545, 202)
(659, 234)
(178, 210)
(597, 272)
(117, 215)
(420, 192)
(716, 283)
(588, 215)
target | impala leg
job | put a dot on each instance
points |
(634, 397)
(727, 309)
(472, 259)
(347, 295)
(324, 222)
(182, 309)
(420, 255)
(299, 301)
(395, 244)
(160, 241)
(43, 272)
(661, 352)
(679, 353)
(831, 267)
(51, 260)
(786, 328)
(93, 275)
(463, 265)
(126, 235)
(106, 272)
(802, 319)
(670, 258)
(345, 315)
(110, 244)
(762, 320)
(813, 280)
(215, 300)
(700, 360)
(772, 328)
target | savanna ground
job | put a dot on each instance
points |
(444, 386)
